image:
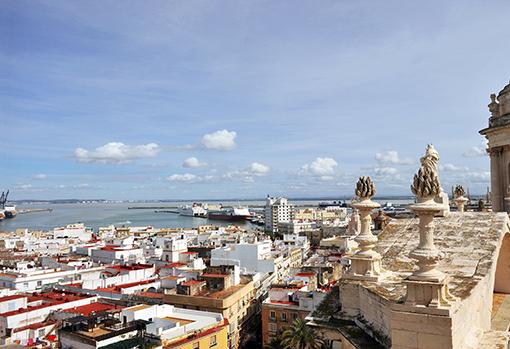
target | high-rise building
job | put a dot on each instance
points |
(498, 135)
(277, 210)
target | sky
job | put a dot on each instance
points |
(241, 99)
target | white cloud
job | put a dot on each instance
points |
(246, 175)
(40, 176)
(391, 157)
(188, 178)
(116, 153)
(452, 168)
(320, 167)
(475, 152)
(479, 176)
(326, 178)
(259, 169)
(24, 186)
(220, 140)
(385, 171)
(193, 162)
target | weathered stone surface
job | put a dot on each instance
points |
(468, 241)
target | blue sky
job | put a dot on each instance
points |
(224, 99)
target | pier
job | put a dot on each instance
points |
(34, 210)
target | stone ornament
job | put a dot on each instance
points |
(494, 106)
(458, 191)
(426, 184)
(354, 226)
(365, 263)
(427, 285)
(460, 200)
(365, 188)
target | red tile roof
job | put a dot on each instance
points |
(130, 267)
(191, 282)
(35, 326)
(92, 308)
(305, 274)
(118, 288)
(10, 298)
(174, 265)
(211, 275)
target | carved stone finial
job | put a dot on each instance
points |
(365, 188)
(460, 200)
(365, 263)
(426, 183)
(427, 286)
(458, 191)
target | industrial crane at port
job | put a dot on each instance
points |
(3, 199)
(7, 211)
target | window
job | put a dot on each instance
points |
(294, 316)
(196, 345)
(212, 341)
(272, 315)
(283, 316)
(273, 327)
(41, 333)
(39, 283)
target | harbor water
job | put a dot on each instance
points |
(96, 215)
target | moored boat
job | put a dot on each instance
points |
(194, 210)
(230, 214)
(10, 211)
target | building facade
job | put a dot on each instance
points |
(498, 136)
(276, 210)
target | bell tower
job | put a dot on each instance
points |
(498, 135)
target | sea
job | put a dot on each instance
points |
(95, 215)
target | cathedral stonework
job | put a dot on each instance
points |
(498, 136)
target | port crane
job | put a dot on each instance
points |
(3, 199)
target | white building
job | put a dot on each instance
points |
(76, 231)
(172, 248)
(169, 323)
(295, 227)
(277, 210)
(27, 311)
(117, 254)
(34, 279)
(250, 258)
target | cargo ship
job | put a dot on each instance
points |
(338, 203)
(230, 214)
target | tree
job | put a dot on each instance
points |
(301, 336)
(276, 343)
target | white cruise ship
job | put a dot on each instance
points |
(195, 210)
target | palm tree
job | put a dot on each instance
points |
(276, 343)
(301, 336)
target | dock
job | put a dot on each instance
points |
(34, 210)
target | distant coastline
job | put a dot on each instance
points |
(324, 198)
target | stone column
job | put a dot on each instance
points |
(495, 156)
(461, 202)
(427, 286)
(365, 263)
(507, 200)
